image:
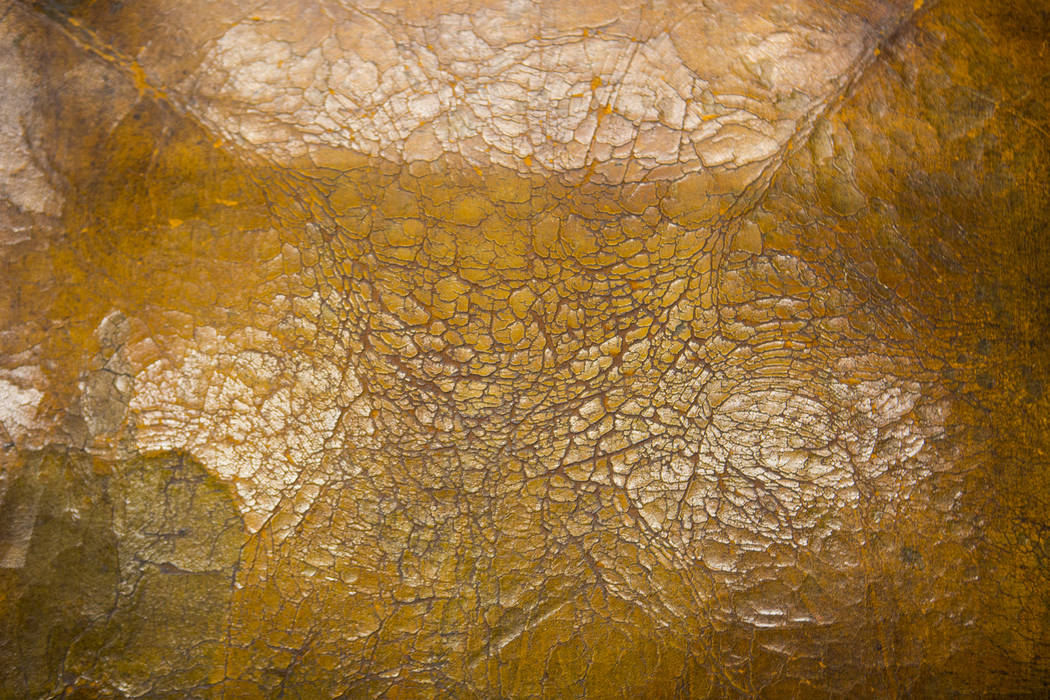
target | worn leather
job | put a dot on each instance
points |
(524, 349)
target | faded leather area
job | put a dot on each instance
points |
(514, 349)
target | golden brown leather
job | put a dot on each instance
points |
(520, 349)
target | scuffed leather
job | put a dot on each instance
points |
(518, 349)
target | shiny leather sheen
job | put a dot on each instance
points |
(514, 348)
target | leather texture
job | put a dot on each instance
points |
(515, 348)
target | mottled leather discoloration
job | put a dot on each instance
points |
(519, 349)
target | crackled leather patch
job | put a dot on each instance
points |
(524, 349)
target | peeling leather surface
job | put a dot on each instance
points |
(522, 349)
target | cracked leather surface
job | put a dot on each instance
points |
(524, 349)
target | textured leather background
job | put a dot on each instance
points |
(524, 349)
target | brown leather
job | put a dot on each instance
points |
(520, 349)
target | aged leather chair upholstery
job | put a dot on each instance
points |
(522, 348)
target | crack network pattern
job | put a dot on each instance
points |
(514, 349)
